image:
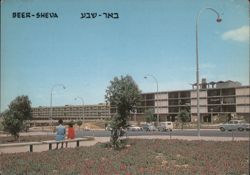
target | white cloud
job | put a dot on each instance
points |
(240, 34)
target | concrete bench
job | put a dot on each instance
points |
(50, 142)
(77, 140)
(30, 144)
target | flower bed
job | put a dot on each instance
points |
(139, 157)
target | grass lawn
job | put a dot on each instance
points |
(139, 157)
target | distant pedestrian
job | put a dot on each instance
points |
(71, 132)
(60, 133)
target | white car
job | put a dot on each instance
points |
(165, 126)
(108, 127)
(134, 128)
(234, 125)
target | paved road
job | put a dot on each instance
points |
(187, 132)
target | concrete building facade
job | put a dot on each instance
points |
(72, 112)
(215, 102)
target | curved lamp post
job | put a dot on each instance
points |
(197, 60)
(51, 92)
(80, 98)
(157, 107)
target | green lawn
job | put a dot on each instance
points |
(139, 157)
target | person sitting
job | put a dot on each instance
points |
(60, 133)
(71, 133)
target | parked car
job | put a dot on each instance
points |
(234, 125)
(134, 128)
(108, 127)
(247, 128)
(148, 127)
(165, 126)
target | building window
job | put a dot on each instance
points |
(149, 103)
(173, 95)
(173, 102)
(215, 92)
(213, 101)
(185, 94)
(214, 109)
(184, 102)
(228, 100)
(173, 109)
(229, 108)
(228, 92)
(150, 96)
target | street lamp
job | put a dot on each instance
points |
(82, 106)
(197, 61)
(51, 99)
(157, 107)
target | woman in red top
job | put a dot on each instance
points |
(71, 133)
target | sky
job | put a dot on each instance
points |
(155, 37)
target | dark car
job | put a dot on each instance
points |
(247, 128)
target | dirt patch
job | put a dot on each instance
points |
(94, 125)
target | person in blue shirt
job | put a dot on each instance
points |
(60, 132)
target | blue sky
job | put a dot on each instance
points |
(150, 37)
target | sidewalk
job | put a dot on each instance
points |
(45, 147)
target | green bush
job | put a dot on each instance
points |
(79, 123)
(14, 118)
(1, 126)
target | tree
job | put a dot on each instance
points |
(79, 123)
(229, 117)
(124, 94)
(18, 113)
(71, 123)
(184, 117)
(149, 116)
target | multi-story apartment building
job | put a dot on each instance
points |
(221, 99)
(217, 100)
(72, 112)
